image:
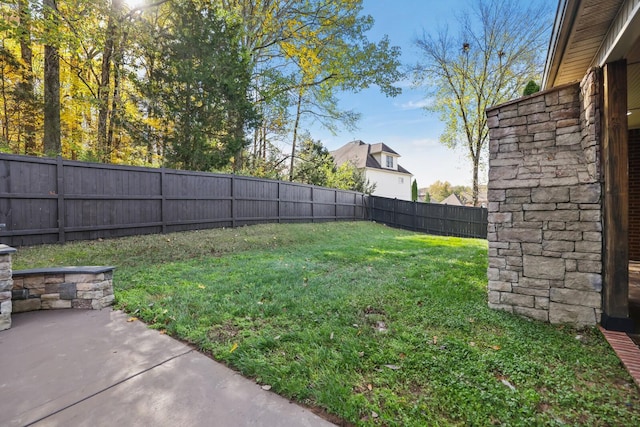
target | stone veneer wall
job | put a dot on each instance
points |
(545, 228)
(62, 287)
(6, 283)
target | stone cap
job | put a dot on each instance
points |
(90, 269)
(4, 249)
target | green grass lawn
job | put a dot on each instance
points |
(375, 325)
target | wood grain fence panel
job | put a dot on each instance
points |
(45, 200)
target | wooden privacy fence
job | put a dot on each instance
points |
(430, 218)
(44, 200)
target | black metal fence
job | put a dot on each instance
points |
(44, 200)
(430, 218)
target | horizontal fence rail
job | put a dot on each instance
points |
(430, 218)
(45, 200)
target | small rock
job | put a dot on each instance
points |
(266, 387)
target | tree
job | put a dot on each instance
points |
(315, 165)
(438, 191)
(414, 191)
(51, 138)
(200, 87)
(496, 51)
(531, 88)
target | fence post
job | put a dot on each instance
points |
(278, 202)
(312, 206)
(61, 201)
(415, 216)
(233, 201)
(335, 205)
(163, 200)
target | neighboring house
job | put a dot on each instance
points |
(453, 200)
(564, 175)
(380, 166)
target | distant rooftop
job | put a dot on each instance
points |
(361, 155)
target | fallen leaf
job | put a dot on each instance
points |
(370, 387)
(163, 332)
(435, 340)
(495, 347)
(132, 319)
(394, 367)
(361, 354)
(266, 387)
(402, 355)
(331, 337)
(201, 286)
(374, 414)
(472, 344)
(234, 347)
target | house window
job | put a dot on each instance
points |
(400, 180)
(390, 162)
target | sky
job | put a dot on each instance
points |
(401, 122)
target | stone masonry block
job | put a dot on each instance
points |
(89, 294)
(6, 285)
(576, 315)
(55, 278)
(500, 217)
(542, 303)
(67, 291)
(5, 274)
(88, 286)
(527, 282)
(550, 195)
(576, 297)
(81, 303)
(530, 291)
(18, 283)
(558, 246)
(502, 307)
(494, 297)
(48, 297)
(533, 313)
(583, 281)
(33, 282)
(539, 267)
(496, 195)
(531, 249)
(589, 247)
(586, 266)
(517, 299)
(552, 215)
(5, 321)
(19, 294)
(493, 273)
(80, 278)
(50, 288)
(30, 304)
(5, 306)
(586, 193)
(106, 301)
(496, 285)
(55, 304)
(572, 236)
(520, 235)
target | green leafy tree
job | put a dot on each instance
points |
(531, 88)
(497, 49)
(414, 191)
(200, 86)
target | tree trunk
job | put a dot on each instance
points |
(295, 134)
(51, 143)
(26, 54)
(104, 148)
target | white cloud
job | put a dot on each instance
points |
(416, 105)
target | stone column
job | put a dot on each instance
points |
(6, 283)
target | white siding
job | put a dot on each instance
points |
(388, 183)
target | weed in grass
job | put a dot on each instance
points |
(375, 325)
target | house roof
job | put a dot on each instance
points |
(590, 33)
(361, 155)
(452, 199)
